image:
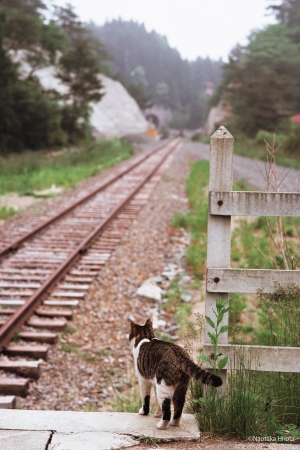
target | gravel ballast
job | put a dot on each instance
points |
(93, 361)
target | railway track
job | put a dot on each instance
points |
(46, 267)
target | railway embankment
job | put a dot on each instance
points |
(91, 364)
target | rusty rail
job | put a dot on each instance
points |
(24, 312)
(15, 244)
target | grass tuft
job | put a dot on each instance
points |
(6, 212)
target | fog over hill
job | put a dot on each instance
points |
(145, 59)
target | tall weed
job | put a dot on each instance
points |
(280, 317)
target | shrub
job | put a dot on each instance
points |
(292, 144)
(196, 137)
(35, 120)
(262, 136)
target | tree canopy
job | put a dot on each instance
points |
(262, 79)
(31, 117)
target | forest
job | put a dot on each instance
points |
(33, 36)
(30, 116)
(261, 81)
(156, 73)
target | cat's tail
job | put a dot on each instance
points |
(202, 375)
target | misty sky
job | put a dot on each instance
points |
(195, 27)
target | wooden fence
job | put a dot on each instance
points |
(221, 279)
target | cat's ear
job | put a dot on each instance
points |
(149, 323)
(130, 321)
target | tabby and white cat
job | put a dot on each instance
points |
(169, 368)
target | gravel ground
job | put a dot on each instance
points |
(93, 362)
(215, 444)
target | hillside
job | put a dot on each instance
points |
(146, 59)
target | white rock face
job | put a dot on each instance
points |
(48, 80)
(216, 115)
(115, 115)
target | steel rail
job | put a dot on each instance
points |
(15, 244)
(25, 311)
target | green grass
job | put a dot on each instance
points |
(16, 337)
(196, 220)
(68, 330)
(237, 303)
(91, 408)
(69, 348)
(6, 212)
(174, 306)
(150, 440)
(280, 317)
(130, 399)
(256, 403)
(32, 171)
(251, 246)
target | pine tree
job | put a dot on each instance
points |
(79, 68)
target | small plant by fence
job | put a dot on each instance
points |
(221, 279)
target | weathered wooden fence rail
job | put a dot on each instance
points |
(221, 279)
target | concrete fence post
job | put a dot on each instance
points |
(219, 227)
(221, 279)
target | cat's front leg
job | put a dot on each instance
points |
(145, 389)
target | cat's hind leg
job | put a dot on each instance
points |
(145, 389)
(166, 414)
(178, 402)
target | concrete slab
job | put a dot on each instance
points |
(69, 430)
(7, 401)
(24, 440)
(75, 423)
(90, 441)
